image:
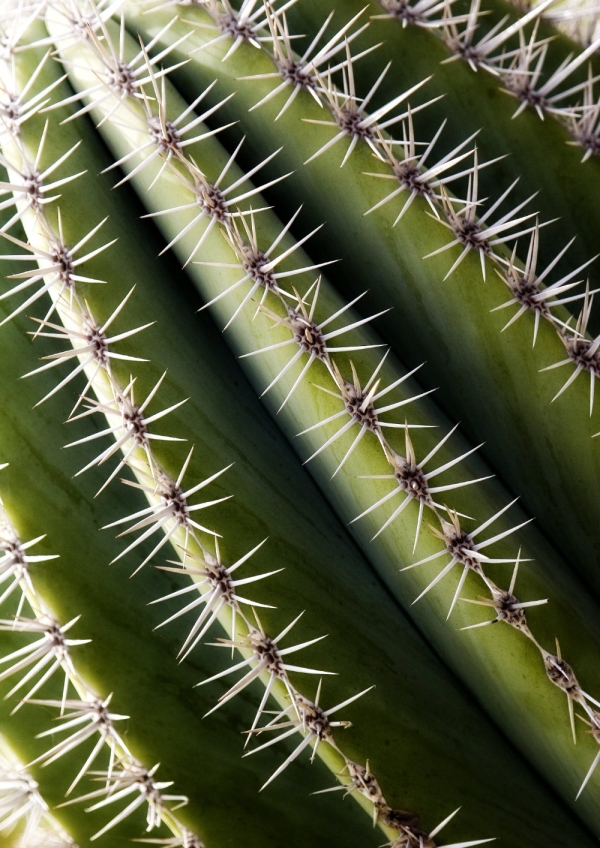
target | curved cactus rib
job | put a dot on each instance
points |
(171, 498)
(86, 715)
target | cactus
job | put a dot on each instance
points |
(232, 235)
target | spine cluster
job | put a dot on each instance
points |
(520, 70)
(84, 715)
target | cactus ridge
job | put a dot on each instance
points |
(170, 502)
(84, 716)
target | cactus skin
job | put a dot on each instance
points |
(505, 795)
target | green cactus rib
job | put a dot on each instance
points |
(81, 709)
(162, 489)
(566, 188)
(491, 380)
(350, 499)
(118, 786)
(337, 552)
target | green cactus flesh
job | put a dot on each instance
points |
(261, 412)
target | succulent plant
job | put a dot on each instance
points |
(280, 227)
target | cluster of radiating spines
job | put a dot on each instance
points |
(214, 202)
(582, 352)
(84, 720)
(521, 70)
(464, 41)
(584, 124)
(303, 72)
(424, 13)
(23, 810)
(170, 510)
(410, 478)
(528, 295)
(349, 113)
(578, 19)
(249, 23)
(524, 78)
